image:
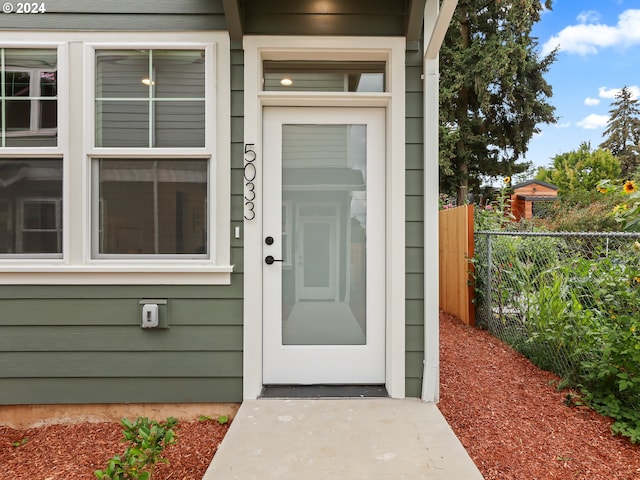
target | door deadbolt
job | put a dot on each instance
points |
(268, 240)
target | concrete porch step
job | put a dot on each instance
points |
(367, 438)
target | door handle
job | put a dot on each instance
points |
(269, 260)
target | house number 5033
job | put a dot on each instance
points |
(250, 173)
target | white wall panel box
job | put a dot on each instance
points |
(154, 313)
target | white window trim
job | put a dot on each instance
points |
(392, 51)
(75, 74)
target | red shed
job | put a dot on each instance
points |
(526, 194)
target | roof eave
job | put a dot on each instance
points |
(234, 17)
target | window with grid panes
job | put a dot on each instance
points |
(151, 103)
(30, 185)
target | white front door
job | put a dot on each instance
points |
(324, 244)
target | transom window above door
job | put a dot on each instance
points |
(324, 76)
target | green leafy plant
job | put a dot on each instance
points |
(146, 441)
(574, 310)
(222, 419)
(496, 215)
(20, 443)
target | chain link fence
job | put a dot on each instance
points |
(562, 299)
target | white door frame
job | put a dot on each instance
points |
(392, 51)
(334, 363)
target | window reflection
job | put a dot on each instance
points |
(28, 100)
(30, 206)
(150, 98)
(324, 76)
(152, 206)
(324, 234)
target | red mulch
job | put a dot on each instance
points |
(512, 420)
(73, 452)
(506, 412)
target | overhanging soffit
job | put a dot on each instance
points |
(325, 17)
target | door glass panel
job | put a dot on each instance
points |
(324, 234)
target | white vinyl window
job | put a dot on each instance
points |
(151, 100)
(115, 158)
(30, 188)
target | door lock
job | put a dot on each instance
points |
(269, 260)
(268, 240)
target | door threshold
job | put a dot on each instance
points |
(324, 391)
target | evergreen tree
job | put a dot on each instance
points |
(623, 131)
(492, 91)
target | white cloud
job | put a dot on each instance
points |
(588, 37)
(591, 102)
(604, 92)
(593, 121)
(590, 16)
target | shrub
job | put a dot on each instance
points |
(146, 441)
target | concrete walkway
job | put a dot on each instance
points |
(342, 439)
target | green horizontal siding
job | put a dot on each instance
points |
(414, 228)
(414, 234)
(414, 182)
(414, 260)
(414, 310)
(121, 390)
(180, 15)
(414, 338)
(413, 387)
(75, 339)
(84, 344)
(415, 156)
(60, 292)
(120, 364)
(114, 312)
(415, 208)
(71, 342)
(137, 6)
(414, 364)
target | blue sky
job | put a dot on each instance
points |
(599, 43)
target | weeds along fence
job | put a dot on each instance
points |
(570, 302)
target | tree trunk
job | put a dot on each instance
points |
(463, 184)
(462, 168)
